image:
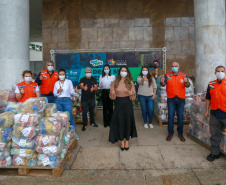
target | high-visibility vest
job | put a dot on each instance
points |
(175, 85)
(29, 90)
(48, 82)
(218, 95)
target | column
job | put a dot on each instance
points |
(210, 40)
(14, 41)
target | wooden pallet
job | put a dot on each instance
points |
(39, 170)
(165, 124)
(193, 138)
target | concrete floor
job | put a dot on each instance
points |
(150, 160)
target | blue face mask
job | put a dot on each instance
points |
(175, 69)
(106, 71)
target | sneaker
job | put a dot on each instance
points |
(169, 137)
(212, 157)
(146, 125)
(83, 128)
(151, 126)
(94, 125)
(76, 137)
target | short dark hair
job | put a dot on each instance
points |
(219, 67)
(60, 70)
(156, 61)
(25, 72)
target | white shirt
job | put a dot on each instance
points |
(67, 87)
(18, 91)
(106, 80)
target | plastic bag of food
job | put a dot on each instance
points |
(6, 163)
(26, 120)
(6, 134)
(24, 132)
(28, 153)
(50, 125)
(51, 109)
(5, 145)
(46, 140)
(23, 161)
(49, 150)
(23, 143)
(12, 106)
(69, 135)
(6, 119)
(45, 160)
(33, 105)
(4, 154)
(3, 104)
(65, 118)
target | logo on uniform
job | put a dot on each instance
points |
(211, 86)
(182, 81)
(169, 78)
(55, 76)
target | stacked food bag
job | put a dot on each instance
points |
(6, 123)
(49, 141)
(161, 109)
(199, 125)
(25, 130)
(50, 109)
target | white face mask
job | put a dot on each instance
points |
(50, 68)
(220, 75)
(144, 72)
(88, 75)
(62, 77)
(123, 74)
(27, 78)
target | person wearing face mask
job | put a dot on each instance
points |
(46, 80)
(105, 81)
(216, 101)
(156, 72)
(122, 125)
(88, 84)
(146, 95)
(63, 90)
(26, 89)
(175, 82)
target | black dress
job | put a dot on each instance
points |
(122, 123)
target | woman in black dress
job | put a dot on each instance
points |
(122, 125)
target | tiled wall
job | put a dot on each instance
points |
(97, 24)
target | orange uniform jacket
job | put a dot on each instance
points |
(29, 90)
(175, 85)
(218, 95)
(48, 82)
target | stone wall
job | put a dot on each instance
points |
(97, 24)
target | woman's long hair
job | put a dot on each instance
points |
(103, 73)
(149, 76)
(128, 78)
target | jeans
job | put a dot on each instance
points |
(175, 104)
(216, 125)
(88, 105)
(65, 104)
(147, 107)
(107, 107)
(51, 99)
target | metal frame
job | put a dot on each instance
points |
(163, 50)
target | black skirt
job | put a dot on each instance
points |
(122, 123)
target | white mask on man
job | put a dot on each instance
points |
(27, 78)
(220, 75)
(62, 77)
(88, 75)
(50, 68)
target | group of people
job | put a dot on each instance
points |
(121, 90)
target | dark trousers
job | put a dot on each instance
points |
(216, 125)
(51, 99)
(88, 105)
(107, 107)
(175, 104)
